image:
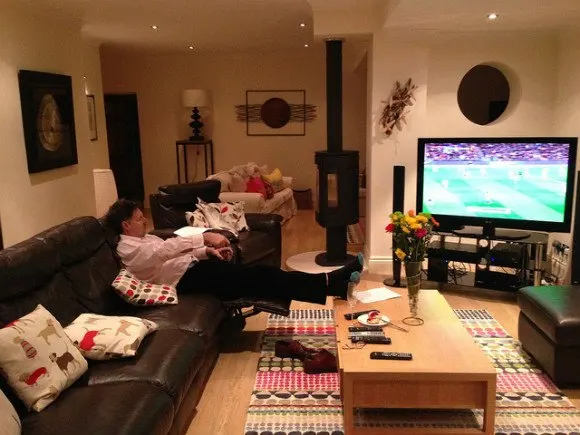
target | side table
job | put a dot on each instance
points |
(207, 155)
(303, 199)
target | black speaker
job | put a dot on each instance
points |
(398, 205)
(575, 263)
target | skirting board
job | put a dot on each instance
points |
(380, 264)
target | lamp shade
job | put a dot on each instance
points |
(194, 98)
(105, 190)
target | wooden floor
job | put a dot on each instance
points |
(223, 406)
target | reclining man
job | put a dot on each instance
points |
(200, 264)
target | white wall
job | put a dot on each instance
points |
(392, 61)
(29, 203)
(159, 80)
(567, 107)
(437, 66)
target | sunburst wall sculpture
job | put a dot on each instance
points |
(393, 114)
(275, 113)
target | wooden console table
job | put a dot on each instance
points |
(207, 146)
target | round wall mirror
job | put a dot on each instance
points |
(483, 94)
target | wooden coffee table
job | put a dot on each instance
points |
(448, 370)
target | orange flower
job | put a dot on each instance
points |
(434, 222)
(411, 213)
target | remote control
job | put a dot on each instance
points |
(349, 316)
(367, 334)
(392, 355)
(364, 328)
(371, 340)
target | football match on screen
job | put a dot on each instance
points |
(500, 180)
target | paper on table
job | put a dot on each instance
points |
(376, 294)
(189, 231)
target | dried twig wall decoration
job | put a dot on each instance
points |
(393, 115)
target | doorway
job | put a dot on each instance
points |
(122, 118)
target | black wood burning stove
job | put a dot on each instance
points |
(337, 175)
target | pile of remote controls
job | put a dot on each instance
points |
(373, 335)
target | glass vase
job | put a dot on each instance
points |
(413, 275)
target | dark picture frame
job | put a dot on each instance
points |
(48, 119)
(93, 134)
(282, 112)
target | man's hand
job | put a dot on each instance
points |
(225, 253)
(215, 240)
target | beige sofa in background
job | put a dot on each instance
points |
(233, 188)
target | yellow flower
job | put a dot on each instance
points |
(405, 229)
(421, 219)
(394, 217)
(410, 220)
(400, 254)
(416, 226)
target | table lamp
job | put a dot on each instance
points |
(195, 98)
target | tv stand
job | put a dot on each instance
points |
(506, 261)
(499, 234)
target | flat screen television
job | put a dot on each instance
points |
(523, 183)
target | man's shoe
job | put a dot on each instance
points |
(321, 362)
(292, 349)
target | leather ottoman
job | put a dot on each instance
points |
(549, 330)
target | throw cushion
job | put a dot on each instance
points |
(105, 337)
(142, 293)
(225, 180)
(196, 219)
(238, 183)
(275, 179)
(269, 190)
(256, 185)
(263, 170)
(38, 359)
(221, 215)
(10, 421)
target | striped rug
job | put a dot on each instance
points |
(285, 401)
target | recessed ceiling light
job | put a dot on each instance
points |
(191, 47)
(306, 45)
(154, 27)
(492, 16)
(302, 25)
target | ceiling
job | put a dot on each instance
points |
(470, 15)
(238, 25)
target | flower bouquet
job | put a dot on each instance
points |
(411, 235)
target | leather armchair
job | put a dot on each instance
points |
(262, 244)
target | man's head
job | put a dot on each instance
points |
(126, 217)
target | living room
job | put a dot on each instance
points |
(433, 45)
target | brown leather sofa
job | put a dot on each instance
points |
(549, 330)
(68, 269)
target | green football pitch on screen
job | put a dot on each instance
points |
(530, 191)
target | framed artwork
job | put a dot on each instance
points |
(276, 112)
(48, 120)
(92, 117)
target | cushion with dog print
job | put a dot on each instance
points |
(106, 337)
(9, 417)
(142, 293)
(37, 358)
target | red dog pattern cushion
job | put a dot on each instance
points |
(38, 359)
(105, 337)
(142, 293)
